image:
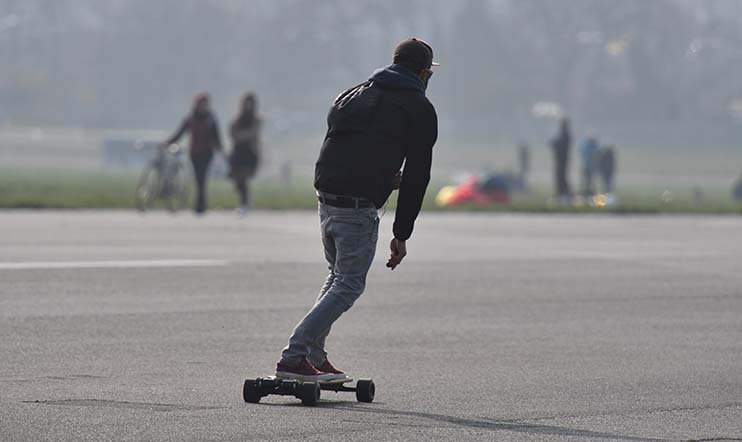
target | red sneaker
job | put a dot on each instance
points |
(328, 368)
(305, 372)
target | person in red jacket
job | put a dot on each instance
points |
(203, 129)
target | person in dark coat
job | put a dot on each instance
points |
(373, 129)
(561, 146)
(607, 167)
(245, 157)
(203, 129)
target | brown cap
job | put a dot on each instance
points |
(414, 52)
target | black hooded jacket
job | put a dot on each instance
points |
(374, 128)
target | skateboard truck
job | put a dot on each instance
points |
(307, 392)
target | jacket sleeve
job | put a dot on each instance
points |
(416, 173)
(181, 130)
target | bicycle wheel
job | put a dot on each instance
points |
(148, 189)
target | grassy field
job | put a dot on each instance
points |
(68, 189)
(63, 189)
(63, 168)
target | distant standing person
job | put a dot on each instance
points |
(607, 167)
(560, 146)
(524, 163)
(245, 157)
(204, 138)
(589, 151)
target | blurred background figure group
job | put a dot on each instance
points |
(204, 141)
(597, 171)
(597, 162)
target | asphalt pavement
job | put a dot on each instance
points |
(120, 326)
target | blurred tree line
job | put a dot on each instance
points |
(661, 71)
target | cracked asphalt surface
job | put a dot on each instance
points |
(496, 327)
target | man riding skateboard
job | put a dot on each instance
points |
(373, 129)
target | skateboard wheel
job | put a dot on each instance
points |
(310, 392)
(266, 386)
(250, 391)
(365, 390)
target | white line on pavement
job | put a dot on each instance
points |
(128, 264)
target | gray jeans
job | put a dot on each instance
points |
(349, 237)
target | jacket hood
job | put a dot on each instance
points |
(397, 77)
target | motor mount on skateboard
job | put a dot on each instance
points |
(308, 392)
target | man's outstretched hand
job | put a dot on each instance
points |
(398, 252)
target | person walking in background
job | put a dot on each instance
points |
(607, 168)
(589, 153)
(373, 128)
(203, 129)
(245, 157)
(560, 146)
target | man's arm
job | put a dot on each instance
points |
(415, 181)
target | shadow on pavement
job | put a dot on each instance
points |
(485, 423)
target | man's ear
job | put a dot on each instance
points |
(425, 74)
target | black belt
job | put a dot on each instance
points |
(345, 202)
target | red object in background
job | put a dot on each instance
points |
(470, 191)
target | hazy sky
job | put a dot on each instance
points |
(635, 68)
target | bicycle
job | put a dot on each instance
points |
(163, 179)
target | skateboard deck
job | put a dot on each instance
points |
(332, 382)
